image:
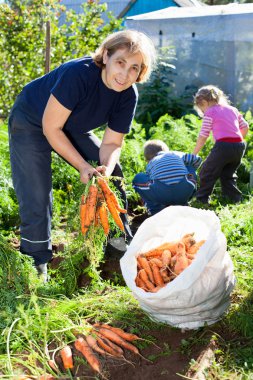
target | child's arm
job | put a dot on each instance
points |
(200, 143)
(192, 160)
(244, 131)
(243, 125)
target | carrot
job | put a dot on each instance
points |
(173, 261)
(157, 275)
(104, 218)
(96, 219)
(156, 252)
(140, 283)
(127, 336)
(188, 240)
(92, 342)
(155, 290)
(144, 264)
(195, 247)
(115, 216)
(110, 204)
(109, 195)
(83, 207)
(171, 246)
(164, 275)
(82, 346)
(166, 257)
(46, 376)
(66, 355)
(144, 277)
(108, 346)
(115, 338)
(91, 205)
(190, 256)
(181, 248)
(181, 263)
(52, 365)
(157, 261)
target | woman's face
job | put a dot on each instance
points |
(121, 69)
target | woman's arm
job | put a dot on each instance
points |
(54, 118)
(199, 144)
(109, 152)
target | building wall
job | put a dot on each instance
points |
(209, 50)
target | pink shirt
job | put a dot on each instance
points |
(224, 121)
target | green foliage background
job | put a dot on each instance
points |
(23, 40)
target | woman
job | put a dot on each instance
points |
(58, 112)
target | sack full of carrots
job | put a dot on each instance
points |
(178, 267)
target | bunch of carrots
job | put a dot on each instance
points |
(162, 264)
(95, 207)
(104, 340)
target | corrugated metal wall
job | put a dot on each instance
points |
(209, 50)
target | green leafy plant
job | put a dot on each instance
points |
(23, 40)
(156, 97)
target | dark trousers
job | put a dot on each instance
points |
(157, 195)
(30, 155)
(222, 163)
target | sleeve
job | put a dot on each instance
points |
(207, 124)
(242, 122)
(121, 118)
(70, 87)
(192, 159)
(149, 167)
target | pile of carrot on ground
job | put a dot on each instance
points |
(97, 204)
(162, 264)
(104, 340)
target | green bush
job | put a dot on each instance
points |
(23, 40)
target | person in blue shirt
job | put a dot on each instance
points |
(170, 177)
(58, 112)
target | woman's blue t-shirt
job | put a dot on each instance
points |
(78, 86)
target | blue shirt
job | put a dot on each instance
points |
(171, 167)
(78, 86)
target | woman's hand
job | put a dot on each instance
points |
(103, 170)
(87, 173)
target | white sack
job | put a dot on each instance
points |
(201, 293)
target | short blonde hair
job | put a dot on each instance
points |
(211, 94)
(134, 42)
(152, 147)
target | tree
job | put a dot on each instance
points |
(155, 96)
(23, 36)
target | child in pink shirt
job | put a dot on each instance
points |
(229, 129)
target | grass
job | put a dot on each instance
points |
(36, 319)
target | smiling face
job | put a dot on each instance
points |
(121, 69)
